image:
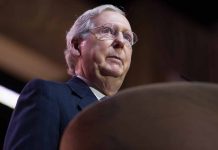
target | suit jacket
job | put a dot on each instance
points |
(43, 110)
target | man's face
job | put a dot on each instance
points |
(110, 57)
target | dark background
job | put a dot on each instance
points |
(177, 41)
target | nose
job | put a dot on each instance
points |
(118, 41)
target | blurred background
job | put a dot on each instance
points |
(177, 41)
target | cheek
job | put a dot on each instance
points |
(99, 52)
(128, 56)
(94, 55)
(90, 50)
(96, 50)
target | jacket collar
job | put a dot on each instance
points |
(82, 90)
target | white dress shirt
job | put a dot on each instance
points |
(96, 92)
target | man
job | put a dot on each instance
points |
(99, 49)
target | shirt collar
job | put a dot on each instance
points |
(96, 92)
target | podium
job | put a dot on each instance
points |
(165, 116)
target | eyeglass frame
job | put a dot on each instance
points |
(114, 35)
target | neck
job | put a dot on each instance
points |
(105, 84)
(108, 85)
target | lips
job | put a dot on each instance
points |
(116, 58)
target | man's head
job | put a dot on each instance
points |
(99, 46)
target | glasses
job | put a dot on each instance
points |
(110, 32)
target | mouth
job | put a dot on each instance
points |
(115, 58)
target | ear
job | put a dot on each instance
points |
(76, 47)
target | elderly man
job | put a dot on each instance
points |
(99, 49)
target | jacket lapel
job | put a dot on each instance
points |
(81, 89)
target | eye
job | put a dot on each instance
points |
(128, 37)
(106, 30)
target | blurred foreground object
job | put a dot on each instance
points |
(167, 116)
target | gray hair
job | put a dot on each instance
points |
(82, 25)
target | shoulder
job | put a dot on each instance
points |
(42, 93)
(41, 85)
(39, 90)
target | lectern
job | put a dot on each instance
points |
(164, 116)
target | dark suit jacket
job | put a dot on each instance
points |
(43, 110)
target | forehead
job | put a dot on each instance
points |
(113, 18)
